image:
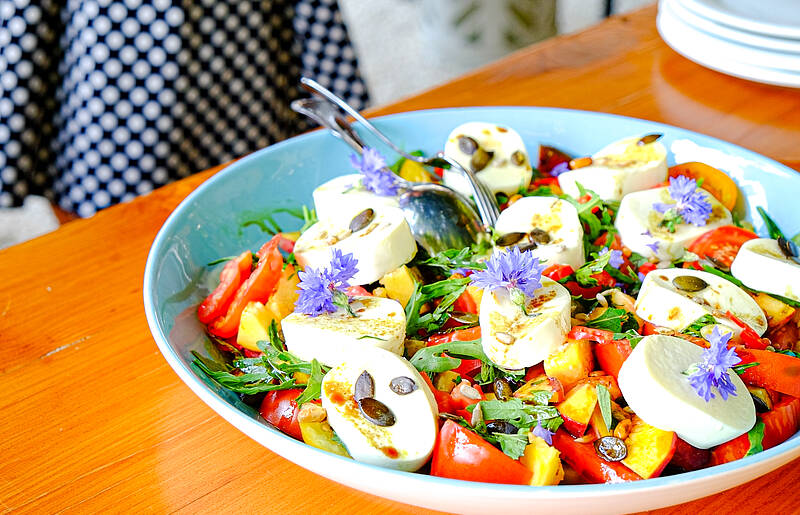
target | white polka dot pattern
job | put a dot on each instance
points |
(101, 101)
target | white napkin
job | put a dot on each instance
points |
(34, 218)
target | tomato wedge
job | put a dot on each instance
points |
(461, 454)
(715, 181)
(233, 274)
(721, 245)
(779, 424)
(550, 157)
(459, 335)
(775, 371)
(257, 287)
(583, 458)
(280, 409)
(557, 272)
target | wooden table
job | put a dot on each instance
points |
(93, 419)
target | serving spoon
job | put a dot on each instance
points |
(439, 217)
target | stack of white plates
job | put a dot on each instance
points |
(757, 40)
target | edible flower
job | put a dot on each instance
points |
(712, 370)
(543, 433)
(690, 204)
(518, 272)
(321, 290)
(615, 260)
(376, 177)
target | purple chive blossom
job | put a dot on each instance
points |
(320, 290)
(376, 177)
(712, 370)
(518, 272)
(653, 246)
(690, 203)
(543, 433)
(464, 272)
(640, 276)
(616, 257)
(559, 169)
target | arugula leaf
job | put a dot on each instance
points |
(693, 329)
(254, 381)
(772, 228)
(452, 259)
(432, 359)
(584, 274)
(449, 290)
(490, 372)
(516, 412)
(314, 386)
(513, 445)
(631, 335)
(737, 282)
(604, 401)
(739, 369)
(537, 397)
(370, 337)
(616, 320)
(756, 438)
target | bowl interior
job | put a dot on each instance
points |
(234, 210)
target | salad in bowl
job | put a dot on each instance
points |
(619, 322)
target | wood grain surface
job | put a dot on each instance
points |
(93, 419)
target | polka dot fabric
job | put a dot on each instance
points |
(101, 101)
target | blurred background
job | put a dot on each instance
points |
(103, 100)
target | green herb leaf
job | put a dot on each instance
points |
(584, 274)
(370, 337)
(756, 438)
(512, 445)
(631, 335)
(772, 228)
(517, 412)
(314, 386)
(452, 259)
(737, 282)
(693, 329)
(432, 359)
(448, 290)
(604, 401)
(616, 320)
(739, 369)
(537, 397)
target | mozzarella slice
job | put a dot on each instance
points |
(761, 265)
(407, 443)
(653, 382)
(382, 245)
(513, 340)
(346, 196)
(662, 303)
(508, 167)
(330, 337)
(618, 169)
(640, 230)
(558, 218)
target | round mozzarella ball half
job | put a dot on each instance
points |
(654, 385)
(514, 340)
(345, 196)
(330, 337)
(761, 265)
(618, 169)
(640, 228)
(664, 303)
(380, 246)
(558, 218)
(404, 444)
(496, 154)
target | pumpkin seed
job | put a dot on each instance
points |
(376, 412)
(761, 406)
(689, 283)
(361, 220)
(504, 338)
(502, 389)
(509, 239)
(501, 426)
(402, 385)
(364, 387)
(611, 448)
(480, 159)
(464, 318)
(789, 249)
(539, 236)
(649, 138)
(528, 246)
(518, 158)
(467, 145)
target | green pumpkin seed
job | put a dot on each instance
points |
(689, 283)
(376, 412)
(361, 220)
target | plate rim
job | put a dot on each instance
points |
(732, 20)
(252, 427)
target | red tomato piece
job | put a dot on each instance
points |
(465, 303)
(580, 332)
(460, 335)
(443, 400)
(584, 459)
(721, 245)
(550, 157)
(280, 409)
(587, 292)
(775, 371)
(357, 290)
(232, 275)
(780, 423)
(461, 454)
(557, 272)
(647, 267)
(257, 287)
